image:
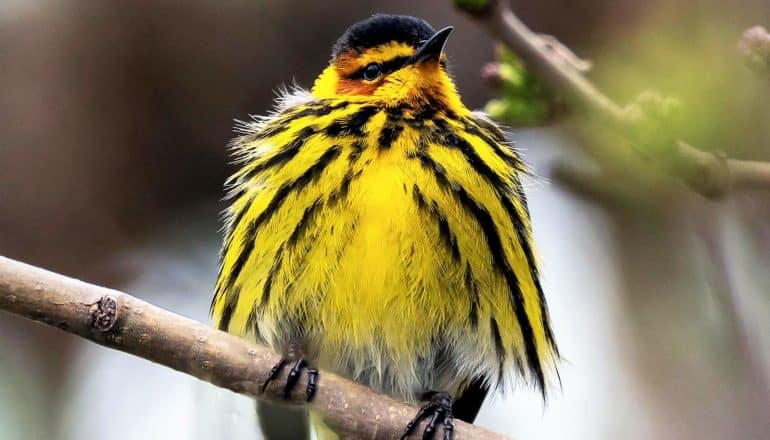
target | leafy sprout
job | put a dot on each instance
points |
(524, 100)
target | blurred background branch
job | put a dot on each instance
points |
(644, 121)
(536, 78)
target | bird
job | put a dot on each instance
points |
(379, 229)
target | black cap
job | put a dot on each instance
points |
(382, 28)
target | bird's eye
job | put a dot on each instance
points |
(372, 71)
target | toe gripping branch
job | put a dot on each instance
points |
(294, 374)
(439, 409)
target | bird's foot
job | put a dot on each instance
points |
(297, 366)
(439, 409)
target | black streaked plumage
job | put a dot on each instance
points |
(304, 250)
(492, 237)
(275, 203)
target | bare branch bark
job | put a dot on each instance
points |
(709, 174)
(122, 322)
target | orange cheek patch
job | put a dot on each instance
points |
(356, 87)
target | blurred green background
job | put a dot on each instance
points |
(115, 117)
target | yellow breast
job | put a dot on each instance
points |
(393, 248)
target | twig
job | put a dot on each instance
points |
(709, 174)
(122, 322)
(756, 395)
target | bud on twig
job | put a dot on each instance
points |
(492, 75)
(754, 46)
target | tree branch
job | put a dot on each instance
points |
(709, 174)
(119, 321)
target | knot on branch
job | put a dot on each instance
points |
(564, 53)
(104, 314)
(709, 175)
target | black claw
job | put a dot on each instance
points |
(413, 423)
(273, 373)
(431, 428)
(293, 378)
(312, 383)
(296, 369)
(449, 427)
(439, 408)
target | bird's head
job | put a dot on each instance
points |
(393, 60)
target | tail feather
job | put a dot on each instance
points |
(279, 422)
(322, 431)
(467, 406)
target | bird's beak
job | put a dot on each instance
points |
(431, 49)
